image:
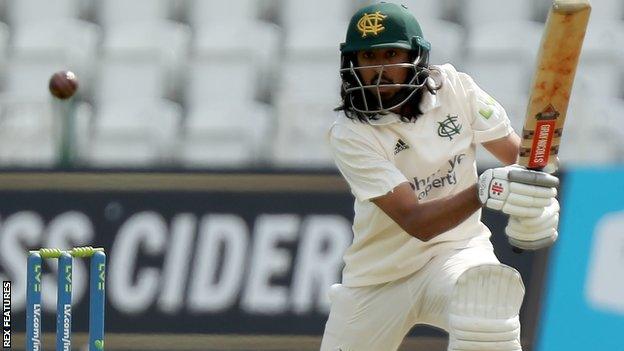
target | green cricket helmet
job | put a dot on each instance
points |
(382, 25)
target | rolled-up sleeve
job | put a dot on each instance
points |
(363, 164)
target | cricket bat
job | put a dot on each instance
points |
(557, 60)
(552, 82)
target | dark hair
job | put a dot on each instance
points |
(409, 111)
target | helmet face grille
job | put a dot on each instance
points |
(367, 98)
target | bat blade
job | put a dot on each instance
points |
(557, 60)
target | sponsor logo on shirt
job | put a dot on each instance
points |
(441, 178)
(449, 127)
(487, 103)
(400, 146)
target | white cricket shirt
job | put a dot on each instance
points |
(435, 154)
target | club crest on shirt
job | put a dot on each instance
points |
(449, 127)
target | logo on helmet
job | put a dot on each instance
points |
(371, 24)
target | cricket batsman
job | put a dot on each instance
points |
(405, 142)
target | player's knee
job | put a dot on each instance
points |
(484, 311)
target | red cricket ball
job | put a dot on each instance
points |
(63, 84)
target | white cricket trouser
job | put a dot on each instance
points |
(378, 317)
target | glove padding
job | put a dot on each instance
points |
(517, 191)
(533, 233)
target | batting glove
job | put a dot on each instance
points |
(517, 191)
(533, 233)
